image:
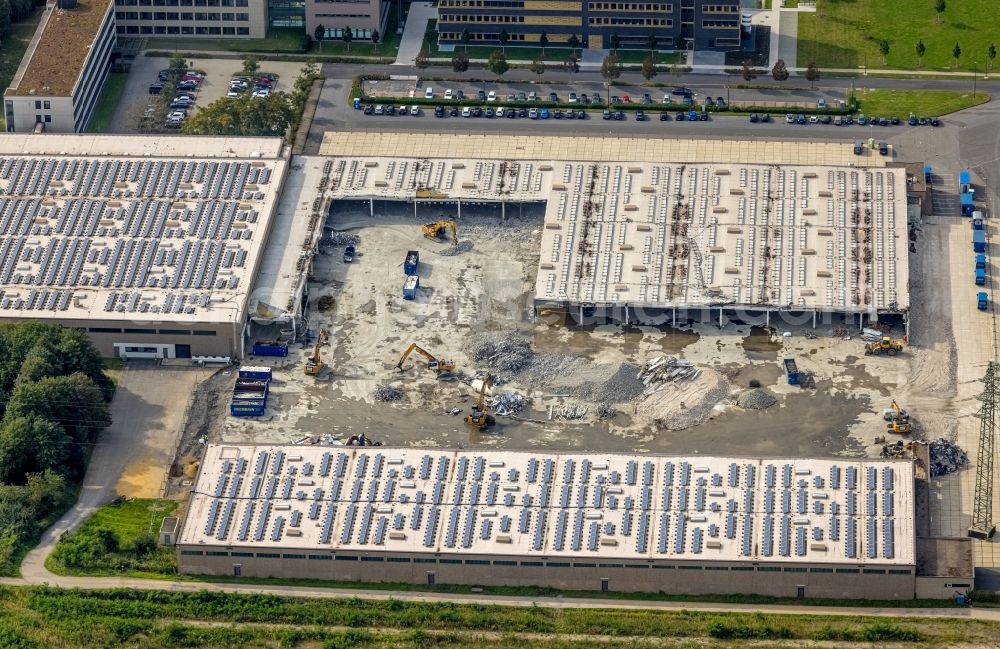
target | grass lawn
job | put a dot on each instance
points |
(921, 102)
(113, 368)
(129, 521)
(12, 49)
(846, 34)
(107, 103)
(284, 39)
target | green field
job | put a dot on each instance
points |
(846, 34)
(36, 617)
(887, 102)
(107, 103)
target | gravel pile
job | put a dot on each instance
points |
(342, 239)
(451, 251)
(386, 392)
(946, 457)
(605, 411)
(677, 406)
(622, 384)
(755, 399)
(501, 352)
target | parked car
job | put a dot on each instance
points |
(544, 113)
(883, 148)
(532, 96)
(753, 118)
(380, 109)
(466, 112)
(448, 93)
(481, 95)
(570, 114)
(789, 118)
(709, 102)
(492, 96)
(615, 99)
(557, 113)
(573, 98)
(664, 116)
(453, 112)
(682, 91)
(766, 117)
(477, 111)
(459, 94)
(619, 115)
(533, 113)
(640, 116)
(584, 98)
(489, 112)
(801, 119)
(581, 115)
(428, 93)
(155, 88)
(522, 97)
(553, 97)
(680, 116)
(414, 110)
(935, 121)
(720, 102)
(439, 111)
(390, 109)
(647, 98)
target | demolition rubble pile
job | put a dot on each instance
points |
(665, 369)
(756, 399)
(457, 249)
(386, 392)
(569, 411)
(341, 239)
(506, 404)
(946, 457)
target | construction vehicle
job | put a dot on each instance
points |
(439, 230)
(887, 345)
(433, 363)
(479, 419)
(895, 412)
(315, 365)
(899, 427)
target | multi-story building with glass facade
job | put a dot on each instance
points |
(362, 16)
(671, 24)
(212, 18)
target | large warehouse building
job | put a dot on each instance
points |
(149, 244)
(783, 527)
(645, 228)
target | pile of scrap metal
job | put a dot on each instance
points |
(506, 404)
(666, 369)
(569, 411)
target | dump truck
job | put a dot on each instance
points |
(981, 261)
(977, 220)
(411, 262)
(792, 371)
(982, 300)
(270, 348)
(410, 286)
(968, 203)
(979, 240)
(965, 182)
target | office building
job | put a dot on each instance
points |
(192, 18)
(362, 16)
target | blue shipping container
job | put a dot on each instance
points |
(979, 240)
(791, 371)
(257, 373)
(410, 287)
(270, 348)
(411, 262)
(252, 409)
(968, 206)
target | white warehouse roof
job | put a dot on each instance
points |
(411, 500)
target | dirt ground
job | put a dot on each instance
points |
(489, 288)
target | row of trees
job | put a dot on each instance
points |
(14, 11)
(53, 403)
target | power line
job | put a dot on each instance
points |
(982, 510)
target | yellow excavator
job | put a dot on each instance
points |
(885, 346)
(479, 419)
(439, 230)
(433, 363)
(314, 364)
(898, 420)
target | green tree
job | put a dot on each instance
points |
(956, 52)
(991, 55)
(20, 9)
(921, 49)
(347, 36)
(374, 39)
(538, 66)
(883, 48)
(504, 37)
(615, 41)
(251, 65)
(177, 62)
(465, 38)
(460, 62)
(779, 72)
(748, 72)
(812, 73)
(611, 68)
(939, 7)
(254, 116)
(31, 445)
(73, 401)
(543, 42)
(4, 17)
(648, 68)
(571, 64)
(423, 58)
(574, 42)
(497, 63)
(319, 34)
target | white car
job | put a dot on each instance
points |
(533, 113)
(414, 110)
(261, 94)
(232, 94)
(466, 112)
(813, 119)
(492, 96)
(448, 94)
(789, 118)
(429, 93)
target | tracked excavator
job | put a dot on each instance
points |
(433, 363)
(898, 420)
(439, 230)
(479, 419)
(314, 364)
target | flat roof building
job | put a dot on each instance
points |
(565, 520)
(644, 228)
(60, 78)
(151, 244)
(194, 18)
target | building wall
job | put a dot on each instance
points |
(829, 581)
(942, 587)
(67, 114)
(187, 18)
(710, 24)
(362, 16)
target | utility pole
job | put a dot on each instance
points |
(982, 507)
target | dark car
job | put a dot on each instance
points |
(883, 121)
(155, 88)
(680, 90)
(709, 102)
(595, 100)
(826, 119)
(640, 116)
(459, 94)
(584, 98)
(800, 119)
(581, 115)
(606, 114)
(522, 112)
(453, 112)
(615, 99)
(369, 109)
(553, 97)
(848, 120)
(895, 121)
(753, 118)
(935, 121)
(687, 100)
(570, 114)
(477, 112)
(557, 113)
(481, 95)
(720, 102)
(664, 116)
(883, 148)
(703, 116)
(619, 115)
(766, 117)
(511, 113)
(680, 116)
(439, 111)
(912, 121)
(647, 98)
(349, 254)
(923, 121)
(522, 97)
(489, 111)
(390, 109)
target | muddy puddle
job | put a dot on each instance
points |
(583, 342)
(759, 345)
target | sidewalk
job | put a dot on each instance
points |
(413, 33)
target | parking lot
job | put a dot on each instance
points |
(218, 73)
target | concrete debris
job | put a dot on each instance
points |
(871, 335)
(604, 411)
(946, 457)
(451, 251)
(386, 392)
(680, 405)
(506, 404)
(571, 411)
(756, 399)
(665, 369)
(342, 239)
(892, 451)
(502, 352)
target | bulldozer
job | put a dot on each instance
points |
(314, 364)
(433, 363)
(898, 420)
(479, 419)
(439, 230)
(887, 345)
